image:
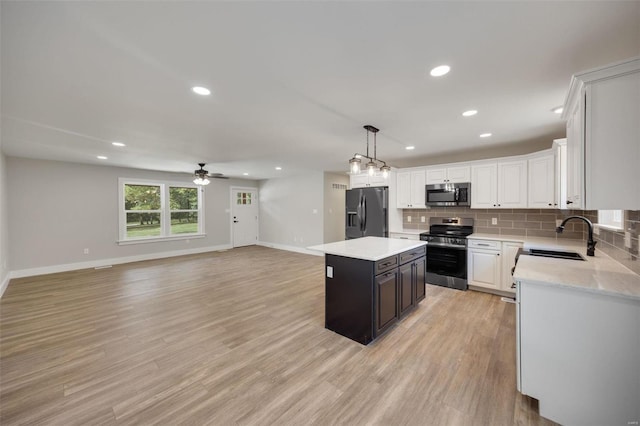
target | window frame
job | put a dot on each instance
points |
(165, 212)
(606, 220)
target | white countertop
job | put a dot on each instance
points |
(368, 248)
(597, 274)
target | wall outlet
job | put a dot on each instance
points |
(315, 211)
(627, 239)
(86, 251)
(408, 218)
(494, 220)
(558, 222)
(423, 219)
(596, 229)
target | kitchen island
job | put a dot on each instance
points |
(371, 283)
(578, 337)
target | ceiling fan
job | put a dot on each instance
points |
(202, 176)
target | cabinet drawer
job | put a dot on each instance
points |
(410, 255)
(485, 244)
(386, 264)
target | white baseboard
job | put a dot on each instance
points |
(4, 283)
(30, 272)
(290, 248)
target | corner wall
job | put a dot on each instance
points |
(65, 207)
(335, 186)
(4, 225)
(291, 211)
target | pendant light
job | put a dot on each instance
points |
(374, 164)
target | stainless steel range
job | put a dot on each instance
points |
(447, 251)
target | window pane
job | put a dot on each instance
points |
(141, 197)
(143, 225)
(183, 198)
(184, 223)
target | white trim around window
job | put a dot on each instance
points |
(162, 215)
(611, 219)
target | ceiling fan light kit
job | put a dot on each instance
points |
(374, 163)
(202, 176)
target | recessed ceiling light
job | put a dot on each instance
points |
(201, 90)
(117, 144)
(409, 148)
(485, 135)
(557, 110)
(278, 168)
(469, 113)
(101, 157)
(439, 71)
(246, 174)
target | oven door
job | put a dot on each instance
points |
(450, 261)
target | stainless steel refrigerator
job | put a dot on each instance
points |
(367, 212)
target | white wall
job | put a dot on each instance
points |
(291, 211)
(4, 225)
(57, 209)
(334, 206)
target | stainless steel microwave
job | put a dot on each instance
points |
(448, 194)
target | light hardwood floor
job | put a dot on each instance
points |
(238, 337)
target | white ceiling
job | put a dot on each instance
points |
(293, 82)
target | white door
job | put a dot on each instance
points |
(244, 215)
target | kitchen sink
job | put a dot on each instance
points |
(556, 254)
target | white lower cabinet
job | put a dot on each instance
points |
(578, 354)
(489, 264)
(483, 264)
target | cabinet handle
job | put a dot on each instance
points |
(569, 202)
(480, 244)
(550, 204)
(494, 205)
(513, 285)
(498, 254)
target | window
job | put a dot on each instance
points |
(243, 198)
(610, 219)
(152, 211)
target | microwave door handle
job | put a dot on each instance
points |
(457, 196)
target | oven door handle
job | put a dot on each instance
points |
(445, 246)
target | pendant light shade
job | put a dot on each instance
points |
(374, 163)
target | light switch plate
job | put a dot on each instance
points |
(423, 219)
(627, 239)
(494, 220)
(408, 218)
(596, 229)
(329, 271)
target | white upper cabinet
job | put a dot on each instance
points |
(363, 180)
(456, 174)
(411, 189)
(542, 181)
(603, 135)
(484, 186)
(499, 185)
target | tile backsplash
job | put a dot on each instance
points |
(539, 223)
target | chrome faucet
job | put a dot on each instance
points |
(591, 245)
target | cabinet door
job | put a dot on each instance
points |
(484, 269)
(377, 180)
(512, 184)
(435, 176)
(575, 157)
(484, 186)
(386, 300)
(509, 250)
(419, 268)
(405, 287)
(403, 191)
(542, 182)
(418, 189)
(459, 174)
(359, 181)
(612, 143)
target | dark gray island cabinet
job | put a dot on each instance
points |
(371, 283)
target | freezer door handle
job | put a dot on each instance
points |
(364, 213)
